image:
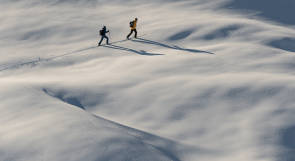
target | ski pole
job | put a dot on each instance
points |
(110, 35)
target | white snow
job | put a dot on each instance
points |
(206, 81)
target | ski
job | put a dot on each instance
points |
(115, 42)
(120, 41)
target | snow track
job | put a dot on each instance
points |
(204, 83)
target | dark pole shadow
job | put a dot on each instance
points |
(140, 52)
(146, 41)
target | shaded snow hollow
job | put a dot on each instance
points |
(206, 80)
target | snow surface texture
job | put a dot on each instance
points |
(206, 81)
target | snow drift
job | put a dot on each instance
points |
(203, 82)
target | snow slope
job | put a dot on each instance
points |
(204, 82)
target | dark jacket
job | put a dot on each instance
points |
(103, 31)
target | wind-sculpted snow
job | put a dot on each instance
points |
(279, 11)
(200, 83)
(287, 44)
(288, 144)
(46, 122)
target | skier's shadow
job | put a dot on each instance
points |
(146, 41)
(140, 52)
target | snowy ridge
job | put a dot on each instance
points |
(205, 82)
(140, 145)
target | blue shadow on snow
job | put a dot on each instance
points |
(287, 44)
(181, 35)
(146, 41)
(281, 11)
(62, 97)
(221, 33)
(287, 142)
(140, 52)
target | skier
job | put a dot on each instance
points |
(133, 28)
(102, 33)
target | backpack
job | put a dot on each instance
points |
(131, 24)
(101, 32)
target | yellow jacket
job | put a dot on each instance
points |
(134, 25)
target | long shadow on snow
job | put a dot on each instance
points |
(140, 52)
(146, 41)
(38, 60)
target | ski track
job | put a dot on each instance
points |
(206, 80)
(111, 46)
